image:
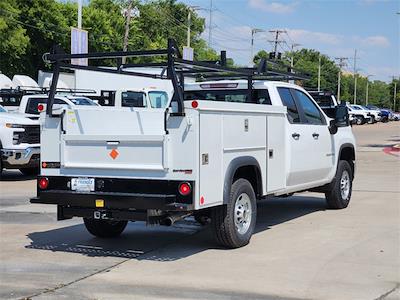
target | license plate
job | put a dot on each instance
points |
(82, 184)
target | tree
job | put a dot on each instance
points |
(13, 37)
(307, 60)
(260, 55)
(45, 23)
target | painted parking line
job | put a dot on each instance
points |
(393, 150)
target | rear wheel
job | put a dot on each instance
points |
(339, 195)
(233, 224)
(105, 228)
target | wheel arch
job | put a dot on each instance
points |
(246, 167)
(347, 153)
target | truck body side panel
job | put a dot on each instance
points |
(276, 155)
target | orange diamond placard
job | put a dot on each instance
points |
(114, 154)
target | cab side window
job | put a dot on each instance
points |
(288, 101)
(311, 112)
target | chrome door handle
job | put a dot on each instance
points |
(296, 135)
(315, 135)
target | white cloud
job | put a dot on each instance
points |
(375, 41)
(306, 37)
(273, 7)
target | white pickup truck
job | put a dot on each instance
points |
(31, 105)
(218, 148)
(19, 143)
(146, 98)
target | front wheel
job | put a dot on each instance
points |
(359, 120)
(104, 228)
(339, 195)
(371, 120)
(233, 224)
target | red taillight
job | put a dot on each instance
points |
(185, 188)
(40, 107)
(43, 183)
(195, 104)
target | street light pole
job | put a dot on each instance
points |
(319, 73)
(79, 14)
(394, 96)
(253, 32)
(366, 92)
(188, 28)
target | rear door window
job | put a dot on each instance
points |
(288, 101)
(259, 96)
(133, 99)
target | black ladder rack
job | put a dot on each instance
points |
(174, 68)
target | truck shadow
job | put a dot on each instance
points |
(15, 175)
(160, 243)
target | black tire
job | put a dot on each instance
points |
(105, 228)
(30, 171)
(372, 120)
(360, 120)
(335, 199)
(223, 217)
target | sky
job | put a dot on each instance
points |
(336, 28)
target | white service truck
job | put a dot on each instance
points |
(218, 148)
(19, 143)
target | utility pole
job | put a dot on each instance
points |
(127, 26)
(341, 63)
(319, 73)
(128, 13)
(292, 59)
(276, 41)
(355, 77)
(366, 92)
(394, 93)
(79, 14)
(188, 27)
(210, 24)
(253, 32)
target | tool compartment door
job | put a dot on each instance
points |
(105, 138)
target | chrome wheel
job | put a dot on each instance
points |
(243, 213)
(345, 185)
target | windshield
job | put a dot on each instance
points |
(82, 101)
(2, 109)
(158, 99)
(356, 107)
(258, 96)
(133, 99)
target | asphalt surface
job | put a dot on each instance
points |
(300, 250)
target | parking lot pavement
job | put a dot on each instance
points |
(300, 249)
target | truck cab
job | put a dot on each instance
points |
(145, 98)
(19, 143)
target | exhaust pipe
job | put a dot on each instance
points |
(171, 219)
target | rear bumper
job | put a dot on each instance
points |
(118, 194)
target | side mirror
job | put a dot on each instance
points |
(332, 127)
(341, 119)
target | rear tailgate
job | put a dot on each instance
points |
(109, 138)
